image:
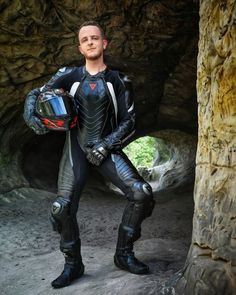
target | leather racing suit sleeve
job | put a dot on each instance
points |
(125, 115)
(29, 116)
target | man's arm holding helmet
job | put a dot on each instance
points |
(125, 127)
(29, 115)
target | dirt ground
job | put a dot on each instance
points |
(30, 258)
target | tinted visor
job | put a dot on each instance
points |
(55, 106)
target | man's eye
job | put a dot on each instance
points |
(95, 37)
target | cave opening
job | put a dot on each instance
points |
(167, 165)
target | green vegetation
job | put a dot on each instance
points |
(142, 151)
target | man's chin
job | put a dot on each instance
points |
(93, 57)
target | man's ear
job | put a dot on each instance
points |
(105, 43)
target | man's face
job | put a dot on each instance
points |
(91, 44)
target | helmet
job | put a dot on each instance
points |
(57, 110)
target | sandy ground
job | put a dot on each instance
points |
(29, 248)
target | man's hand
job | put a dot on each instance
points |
(97, 154)
(37, 126)
(29, 115)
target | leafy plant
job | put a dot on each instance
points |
(142, 151)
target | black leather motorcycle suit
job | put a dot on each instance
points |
(105, 113)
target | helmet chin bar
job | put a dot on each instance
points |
(59, 125)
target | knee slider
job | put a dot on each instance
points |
(143, 195)
(142, 191)
(60, 210)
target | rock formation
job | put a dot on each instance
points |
(177, 173)
(211, 262)
(155, 43)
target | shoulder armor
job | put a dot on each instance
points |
(125, 80)
(123, 77)
(65, 70)
(61, 72)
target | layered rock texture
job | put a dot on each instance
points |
(178, 172)
(211, 263)
(154, 42)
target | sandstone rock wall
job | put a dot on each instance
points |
(211, 264)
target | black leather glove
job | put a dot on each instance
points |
(97, 154)
(37, 126)
(29, 115)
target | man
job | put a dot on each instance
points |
(105, 121)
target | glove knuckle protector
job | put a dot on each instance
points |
(97, 154)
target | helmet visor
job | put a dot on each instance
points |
(53, 106)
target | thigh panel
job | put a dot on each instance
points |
(73, 168)
(120, 171)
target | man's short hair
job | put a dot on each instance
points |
(92, 23)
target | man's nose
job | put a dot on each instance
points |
(90, 41)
